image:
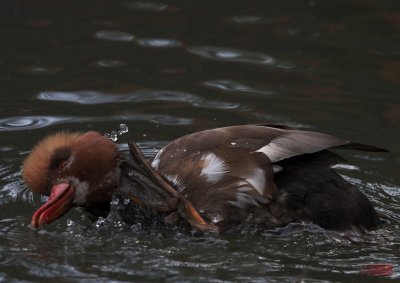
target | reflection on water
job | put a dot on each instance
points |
(146, 6)
(39, 70)
(158, 42)
(109, 63)
(232, 87)
(114, 35)
(28, 123)
(245, 19)
(170, 68)
(94, 97)
(235, 55)
(32, 122)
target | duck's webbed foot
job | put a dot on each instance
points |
(188, 212)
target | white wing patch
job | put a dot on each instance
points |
(156, 160)
(175, 181)
(214, 167)
(257, 180)
(275, 152)
(243, 200)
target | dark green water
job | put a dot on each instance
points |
(170, 68)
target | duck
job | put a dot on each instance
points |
(265, 174)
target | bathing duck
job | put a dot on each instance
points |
(269, 175)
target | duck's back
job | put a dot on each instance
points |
(271, 176)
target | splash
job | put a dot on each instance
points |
(113, 135)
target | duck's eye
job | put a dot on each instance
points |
(63, 164)
(60, 157)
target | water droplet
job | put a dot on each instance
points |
(233, 143)
(69, 223)
(101, 221)
(123, 128)
(113, 136)
(216, 218)
(114, 201)
(144, 135)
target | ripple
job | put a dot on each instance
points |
(391, 190)
(36, 122)
(232, 55)
(11, 191)
(95, 97)
(4, 169)
(213, 104)
(159, 42)
(232, 86)
(245, 19)
(146, 6)
(6, 148)
(347, 167)
(170, 120)
(38, 70)
(146, 95)
(114, 35)
(30, 122)
(108, 63)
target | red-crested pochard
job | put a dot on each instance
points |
(269, 175)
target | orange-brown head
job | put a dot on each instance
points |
(72, 169)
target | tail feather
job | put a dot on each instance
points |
(362, 147)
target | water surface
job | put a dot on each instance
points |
(170, 68)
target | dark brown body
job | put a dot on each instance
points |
(292, 182)
(215, 179)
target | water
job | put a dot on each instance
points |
(169, 68)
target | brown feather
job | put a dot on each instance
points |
(36, 166)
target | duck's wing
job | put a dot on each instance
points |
(277, 142)
(146, 187)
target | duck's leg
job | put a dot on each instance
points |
(148, 188)
(190, 213)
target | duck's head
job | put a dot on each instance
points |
(72, 169)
